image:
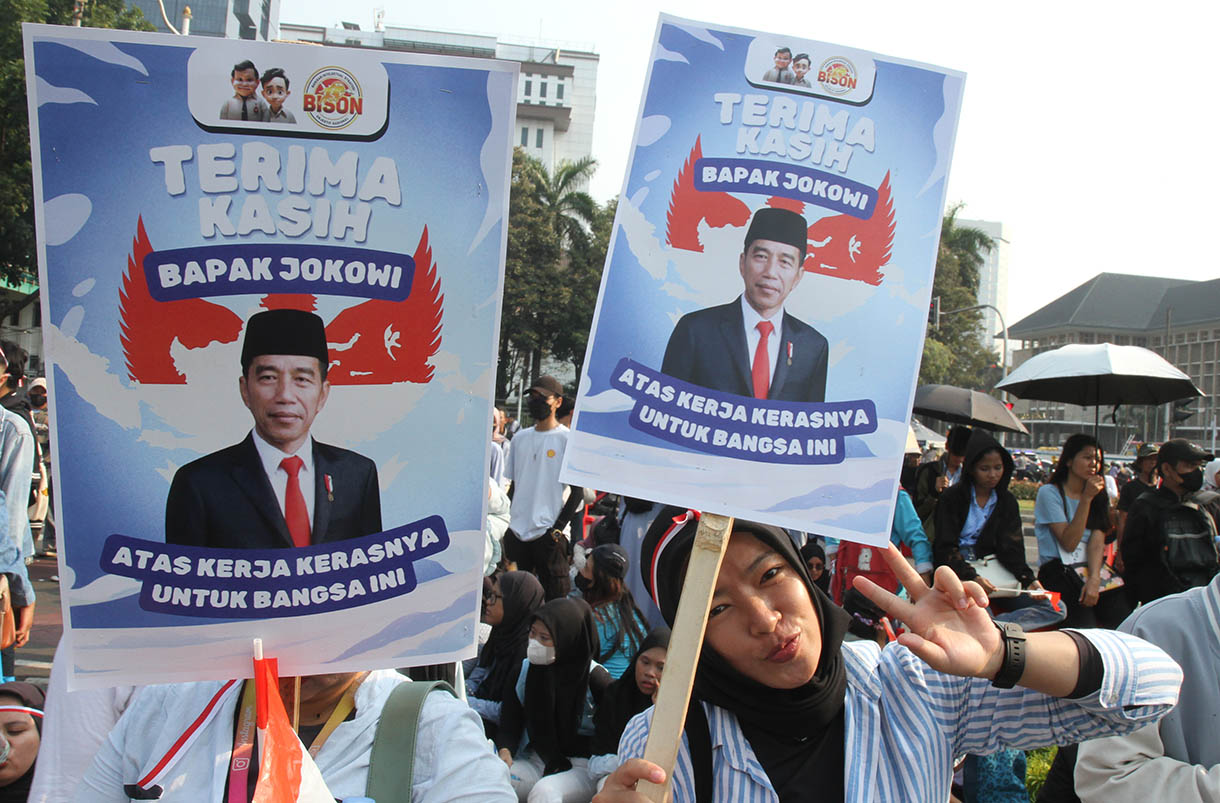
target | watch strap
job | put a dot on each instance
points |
(1013, 665)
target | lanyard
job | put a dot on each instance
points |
(243, 747)
(243, 740)
(342, 710)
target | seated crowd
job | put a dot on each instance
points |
(828, 671)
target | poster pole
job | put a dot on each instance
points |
(665, 735)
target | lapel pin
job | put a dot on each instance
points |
(330, 488)
(789, 352)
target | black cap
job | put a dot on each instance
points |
(548, 384)
(284, 331)
(1180, 450)
(611, 559)
(1146, 450)
(780, 225)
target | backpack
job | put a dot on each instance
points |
(858, 559)
(1188, 545)
(392, 761)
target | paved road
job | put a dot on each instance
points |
(34, 659)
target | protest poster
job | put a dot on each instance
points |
(177, 197)
(833, 162)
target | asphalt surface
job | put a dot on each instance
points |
(34, 659)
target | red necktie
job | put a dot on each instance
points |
(295, 512)
(761, 370)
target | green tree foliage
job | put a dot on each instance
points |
(953, 353)
(17, 246)
(557, 238)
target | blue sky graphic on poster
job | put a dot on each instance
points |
(710, 124)
(130, 150)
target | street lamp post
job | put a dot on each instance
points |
(1004, 348)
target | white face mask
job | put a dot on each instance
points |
(539, 654)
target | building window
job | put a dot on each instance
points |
(538, 139)
(525, 137)
(529, 87)
(542, 89)
(559, 92)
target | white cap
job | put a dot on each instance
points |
(912, 441)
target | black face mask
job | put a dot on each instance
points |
(1192, 480)
(583, 583)
(540, 409)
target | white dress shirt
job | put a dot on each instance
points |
(752, 319)
(271, 457)
(453, 760)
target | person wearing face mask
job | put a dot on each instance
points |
(21, 723)
(508, 608)
(546, 726)
(536, 541)
(620, 627)
(1169, 542)
(783, 710)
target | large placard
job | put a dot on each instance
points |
(780, 182)
(185, 185)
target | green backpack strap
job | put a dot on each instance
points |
(392, 762)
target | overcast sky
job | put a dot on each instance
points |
(1077, 131)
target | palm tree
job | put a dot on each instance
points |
(569, 208)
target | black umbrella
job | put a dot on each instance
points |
(962, 406)
(1099, 374)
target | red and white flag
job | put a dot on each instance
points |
(286, 771)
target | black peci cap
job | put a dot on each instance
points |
(285, 331)
(780, 225)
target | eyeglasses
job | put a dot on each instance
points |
(491, 599)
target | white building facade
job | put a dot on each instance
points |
(556, 91)
(993, 279)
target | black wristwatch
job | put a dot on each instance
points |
(1013, 665)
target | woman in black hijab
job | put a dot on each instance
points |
(545, 733)
(777, 689)
(630, 694)
(815, 561)
(508, 607)
(22, 730)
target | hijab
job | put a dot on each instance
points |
(555, 694)
(31, 697)
(504, 651)
(795, 733)
(623, 699)
(812, 549)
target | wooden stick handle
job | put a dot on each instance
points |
(665, 736)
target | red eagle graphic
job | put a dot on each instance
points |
(372, 343)
(849, 248)
(688, 206)
(379, 342)
(147, 328)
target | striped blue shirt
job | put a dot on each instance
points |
(905, 722)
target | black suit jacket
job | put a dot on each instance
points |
(225, 499)
(708, 348)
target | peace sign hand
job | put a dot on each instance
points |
(948, 624)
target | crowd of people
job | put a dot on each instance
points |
(829, 671)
